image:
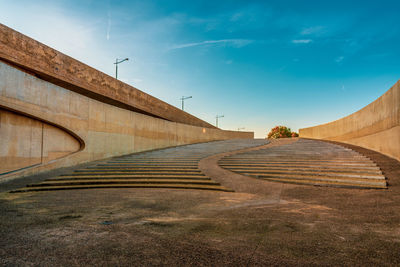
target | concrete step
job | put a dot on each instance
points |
(153, 165)
(102, 172)
(151, 161)
(337, 183)
(306, 169)
(294, 159)
(130, 177)
(157, 169)
(121, 181)
(267, 163)
(310, 174)
(131, 185)
(141, 168)
(158, 159)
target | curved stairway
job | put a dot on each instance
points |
(167, 168)
(308, 162)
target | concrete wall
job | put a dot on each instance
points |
(26, 142)
(376, 127)
(44, 126)
(57, 68)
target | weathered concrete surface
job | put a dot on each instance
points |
(376, 126)
(60, 69)
(45, 126)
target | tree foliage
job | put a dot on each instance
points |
(281, 132)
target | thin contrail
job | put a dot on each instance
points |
(108, 27)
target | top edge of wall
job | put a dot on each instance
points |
(51, 65)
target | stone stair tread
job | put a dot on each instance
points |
(145, 167)
(328, 183)
(153, 161)
(136, 174)
(312, 170)
(131, 177)
(323, 178)
(259, 173)
(131, 185)
(150, 175)
(307, 162)
(300, 159)
(141, 170)
(149, 165)
(305, 166)
(122, 181)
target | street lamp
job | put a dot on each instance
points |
(241, 128)
(184, 98)
(216, 119)
(117, 61)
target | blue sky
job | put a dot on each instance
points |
(259, 63)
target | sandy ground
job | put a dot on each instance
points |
(288, 225)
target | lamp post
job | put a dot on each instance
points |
(241, 128)
(183, 100)
(117, 61)
(216, 119)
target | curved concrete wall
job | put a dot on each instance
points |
(376, 127)
(27, 142)
(44, 126)
(57, 112)
(57, 68)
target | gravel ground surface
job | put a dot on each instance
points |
(299, 226)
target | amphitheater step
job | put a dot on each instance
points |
(167, 168)
(305, 168)
(312, 173)
(134, 176)
(130, 169)
(301, 161)
(132, 172)
(372, 168)
(131, 185)
(121, 181)
(361, 181)
(308, 162)
(328, 183)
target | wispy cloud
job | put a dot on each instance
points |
(302, 41)
(231, 42)
(339, 59)
(312, 30)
